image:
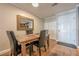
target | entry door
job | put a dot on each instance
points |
(67, 27)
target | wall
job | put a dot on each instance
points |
(50, 23)
(8, 22)
(78, 25)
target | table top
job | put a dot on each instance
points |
(27, 38)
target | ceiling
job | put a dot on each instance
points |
(45, 9)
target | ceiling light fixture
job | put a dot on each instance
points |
(35, 4)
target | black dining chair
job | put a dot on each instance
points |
(41, 42)
(15, 47)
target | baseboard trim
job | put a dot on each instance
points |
(4, 52)
(65, 42)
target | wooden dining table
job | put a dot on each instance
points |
(25, 40)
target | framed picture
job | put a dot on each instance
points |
(24, 23)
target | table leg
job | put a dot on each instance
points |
(48, 43)
(23, 49)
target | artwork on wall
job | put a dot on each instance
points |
(24, 23)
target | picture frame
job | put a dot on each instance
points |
(24, 23)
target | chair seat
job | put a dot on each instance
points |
(36, 43)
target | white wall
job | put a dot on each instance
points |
(8, 22)
(50, 23)
(78, 25)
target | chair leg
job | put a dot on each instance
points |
(48, 43)
(45, 48)
(29, 52)
(39, 51)
(10, 54)
(30, 49)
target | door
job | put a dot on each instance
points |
(67, 27)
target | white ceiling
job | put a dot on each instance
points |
(45, 9)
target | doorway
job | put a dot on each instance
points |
(66, 25)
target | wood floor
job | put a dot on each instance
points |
(57, 50)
